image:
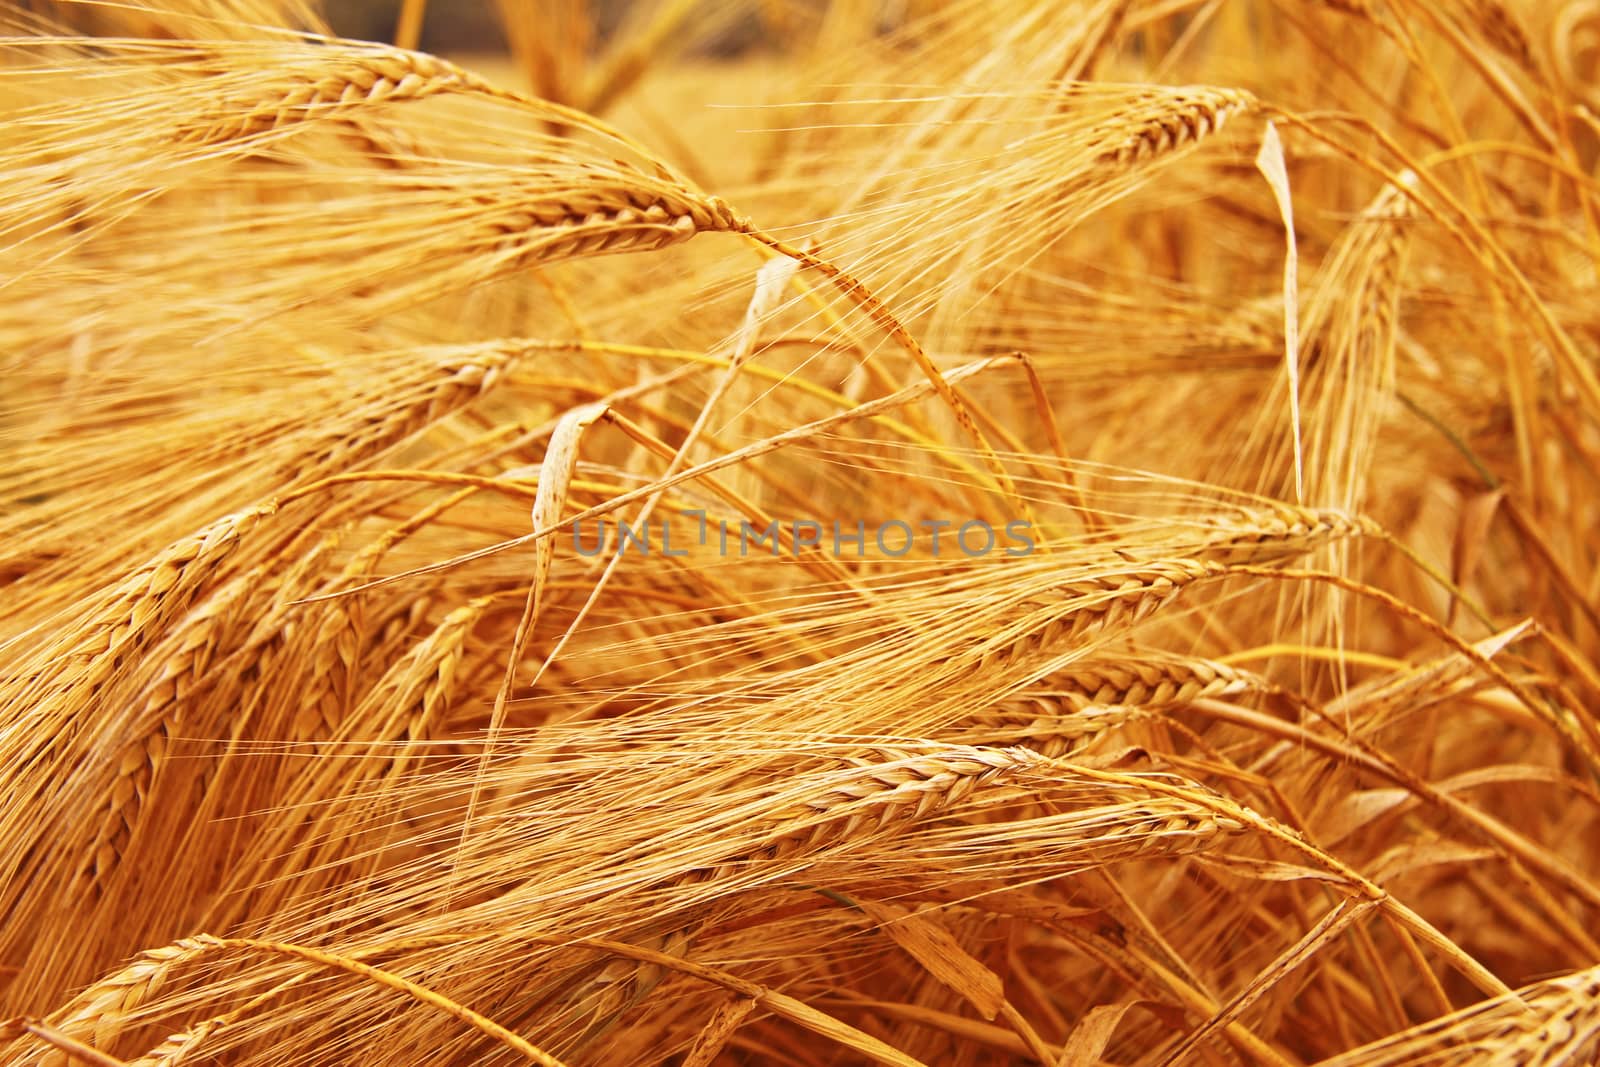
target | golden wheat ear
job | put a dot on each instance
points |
(1550, 1022)
(233, 125)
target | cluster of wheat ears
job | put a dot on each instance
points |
(1273, 320)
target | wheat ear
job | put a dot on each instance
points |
(1084, 700)
(1176, 119)
(181, 1047)
(349, 84)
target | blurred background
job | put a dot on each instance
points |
(450, 25)
(457, 26)
(479, 26)
(453, 25)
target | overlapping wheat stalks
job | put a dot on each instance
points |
(320, 742)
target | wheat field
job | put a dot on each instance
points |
(957, 532)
